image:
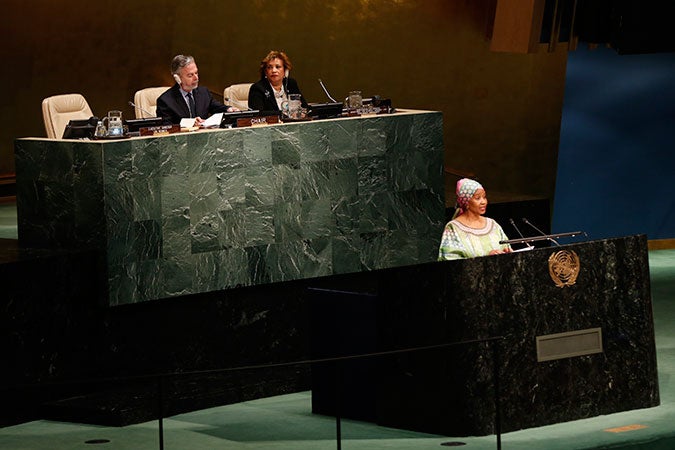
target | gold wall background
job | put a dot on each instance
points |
(501, 111)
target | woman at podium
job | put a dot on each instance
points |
(470, 233)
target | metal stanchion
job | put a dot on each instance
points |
(495, 369)
(160, 412)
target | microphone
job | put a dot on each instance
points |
(326, 92)
(144, 110)
(527, 222)
(285, 81)
(513, 224)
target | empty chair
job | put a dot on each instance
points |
(146, 101)
(58, 110)
(236, 95)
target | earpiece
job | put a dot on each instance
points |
(177, 78)
(287, 72)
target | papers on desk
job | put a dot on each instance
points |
(213, 121)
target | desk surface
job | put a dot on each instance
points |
(211, 130)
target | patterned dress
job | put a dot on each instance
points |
(460, 241)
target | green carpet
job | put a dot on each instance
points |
(8, 221)
(286, 422)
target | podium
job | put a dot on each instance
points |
(193, 213)
(571, 349)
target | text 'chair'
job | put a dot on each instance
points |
(146, 101)
(58, 110)
(237, 95)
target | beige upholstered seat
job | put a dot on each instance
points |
(237, 95)
(146, 101)
(58, 110)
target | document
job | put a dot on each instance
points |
(187, 124)
(213, 121)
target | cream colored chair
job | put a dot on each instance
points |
(237, 95)
(146, 101)
(58, 110)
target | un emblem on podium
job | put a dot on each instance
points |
(564, 267)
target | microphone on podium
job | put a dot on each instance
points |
(326, 92)
(541, 233)
(527, 244)
(142, 109)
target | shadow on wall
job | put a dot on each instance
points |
(615, 162)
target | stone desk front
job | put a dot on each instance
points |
(196, 212)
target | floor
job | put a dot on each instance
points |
(286, 422)
(8, 220)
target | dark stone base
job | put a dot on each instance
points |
(135, 401)
(70, 357)
(451, 391)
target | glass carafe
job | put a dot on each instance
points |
(114, 120)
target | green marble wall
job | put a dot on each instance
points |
(198, 212)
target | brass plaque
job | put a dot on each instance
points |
(257, 121)
(564, 267)
(159, 130)
(569, 344)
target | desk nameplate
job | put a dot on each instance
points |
(257, 121)
(160, 130)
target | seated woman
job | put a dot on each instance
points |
(271, 91)
(469, 233)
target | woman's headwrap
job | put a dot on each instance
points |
(466, 187)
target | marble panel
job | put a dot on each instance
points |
(165, 210)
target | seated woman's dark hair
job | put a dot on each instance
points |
(274, 54)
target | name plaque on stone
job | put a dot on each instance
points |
(160, 130)
(257, 121)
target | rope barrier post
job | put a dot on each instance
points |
(495, 372)
(160, 412)
(338, 395)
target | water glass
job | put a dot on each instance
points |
(294, 106)
(355, 101)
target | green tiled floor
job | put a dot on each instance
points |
(8, 221)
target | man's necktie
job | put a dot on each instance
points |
(191, 104)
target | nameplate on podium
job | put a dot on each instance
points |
(160, 130)
(257, 121)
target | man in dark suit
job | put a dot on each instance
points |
(186, 98)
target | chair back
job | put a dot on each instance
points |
(146, 101)
(58, 110)
(237, 95)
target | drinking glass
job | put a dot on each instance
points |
(294, 106)
(355, 101)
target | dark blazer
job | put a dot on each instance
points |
(261, 97)
(172, 107)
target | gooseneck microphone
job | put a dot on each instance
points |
(142, 109)
(541, 233)
(287, 74)
(325, 91)
(513, 224)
